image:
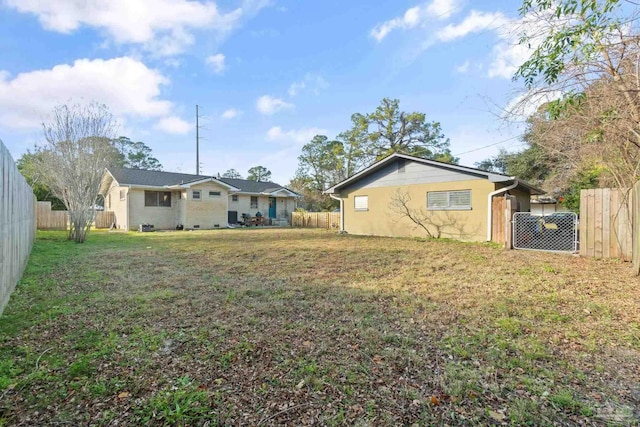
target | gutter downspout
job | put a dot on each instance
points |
(341, 211)
(128, 228)
(490, 206)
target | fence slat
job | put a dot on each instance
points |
(606, 223)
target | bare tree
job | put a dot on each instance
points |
(78, 148)
(434, 223)
(584, 68)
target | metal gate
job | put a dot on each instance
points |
(557, 232)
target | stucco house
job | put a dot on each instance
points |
(168, 200)
(456, 200)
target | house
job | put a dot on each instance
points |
(395, 195)
(168, 200)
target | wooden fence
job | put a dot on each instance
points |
(503, 209)
(48, 219)
(606, 223)
(58, 220)
(17, 225)
(328, 220)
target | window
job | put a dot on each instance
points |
(361, 203)
(449, 200)
(234, 198)
(195, 195)
(254, 202)
(214, 194)
(157, 198)
(122, 194)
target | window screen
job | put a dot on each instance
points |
(196, 195)
(449, 200)
(214, 194)
(157, 198)
(361, 203)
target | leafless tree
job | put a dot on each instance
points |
(584, 70)
(78, 148)
(434, 223)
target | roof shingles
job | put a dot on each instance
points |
(143, 177)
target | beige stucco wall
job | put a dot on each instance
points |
(161, 217)
(208, 212)
(381, 219)
(117, 206)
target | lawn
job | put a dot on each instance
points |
(308, 327)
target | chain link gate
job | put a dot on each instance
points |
(556, 232)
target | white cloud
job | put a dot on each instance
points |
(269, 105)
(442, 9)
(173, 125)
(314, 83)
(296, 87)
(216, 62)
(127, 86)
(475, 22)
(298, 136)
(415, 16)
(163, 27)
(464, 67)
(231, 113)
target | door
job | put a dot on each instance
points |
(232, 217)
(272, 207)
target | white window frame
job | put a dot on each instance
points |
(193, 194)
(361, 203)
(213, 196)
(448, 206)
(251, 205)
(123, 194)
(234, 197)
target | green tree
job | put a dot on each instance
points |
(136, 155)
(585, 56)
(354, 145)
(389, 130)
(258, 173)
(232, 173)
(312, 199)
(28, 165)
(321, 164)
(532, 164)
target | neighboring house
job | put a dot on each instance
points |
(168, 200)
(456, 199)
(542, 206)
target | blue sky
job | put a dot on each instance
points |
(268, 74)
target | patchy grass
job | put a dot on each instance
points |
(291, 327)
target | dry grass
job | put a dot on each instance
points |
(290, 327)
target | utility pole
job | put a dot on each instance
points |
(197, 142)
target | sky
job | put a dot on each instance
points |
(267, 75)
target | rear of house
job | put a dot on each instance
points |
(392, 195)
(170, 200)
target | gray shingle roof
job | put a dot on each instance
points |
(160, 179)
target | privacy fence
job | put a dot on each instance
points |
(328, 220)
(610, 224)
(58, 220)
(17, 225)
